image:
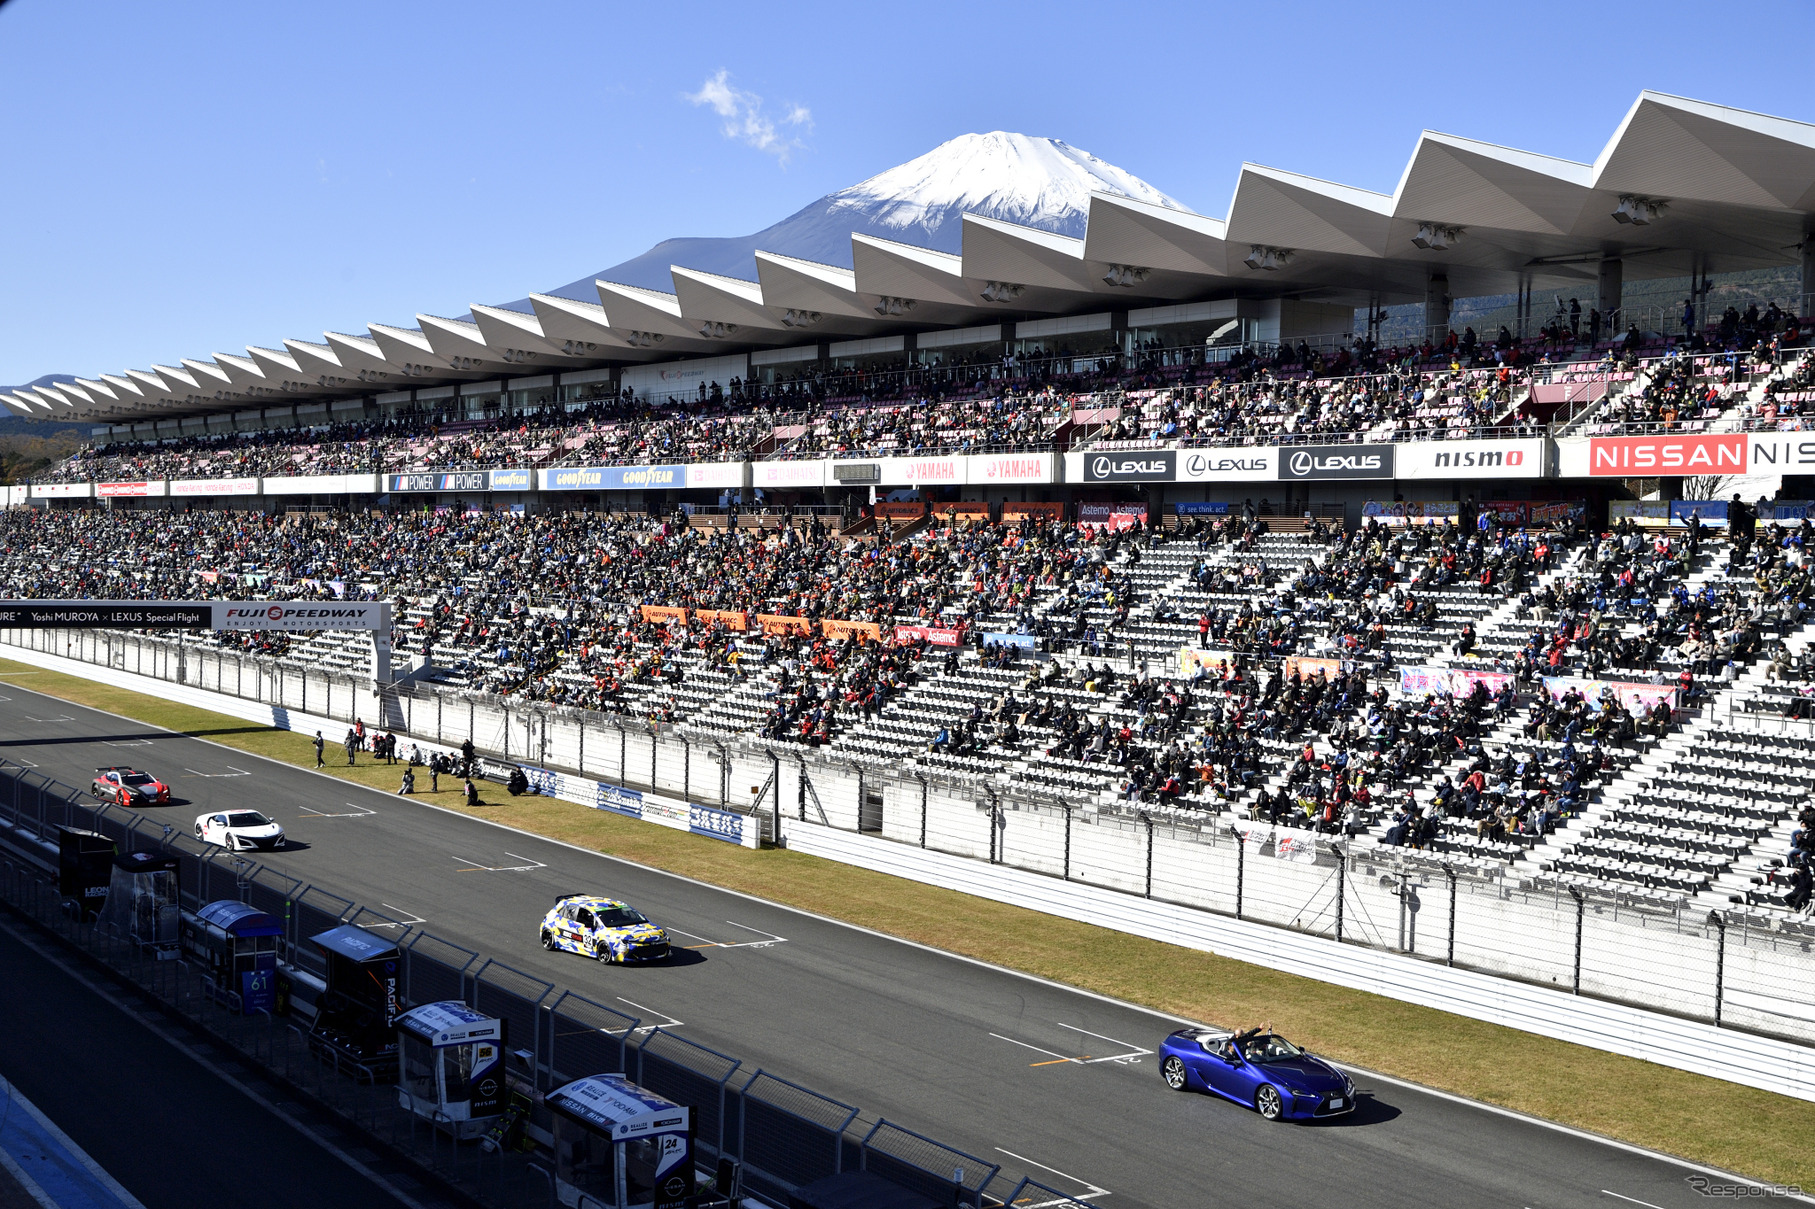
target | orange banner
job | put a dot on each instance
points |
(837, 630)
(772, 623)
(1051, 511)
(1305, 666)
(965, 510)
(664, 613)
(739, 621)
(899, 510)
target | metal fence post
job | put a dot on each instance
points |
(1720, 963)
(1241, 862)
(1066, 806)
(1342, 869)
(1581, 907)
(922, 779)
(1450, 872)
(1148, 820)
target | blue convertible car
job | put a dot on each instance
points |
(1258, 1068)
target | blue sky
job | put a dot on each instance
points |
(193, 178)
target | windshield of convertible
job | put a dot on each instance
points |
(1268, 1047)
(620, 917)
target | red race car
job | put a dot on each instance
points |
(129, 787)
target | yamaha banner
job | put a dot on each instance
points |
(1337, 462)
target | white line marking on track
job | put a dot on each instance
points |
(773, 939)
(59, 718)
(1093, 1189)
(1635, 1200)
(118, 742)
(479, 868)
(355, 812)
(236, 772)
(667, 1020)
(410, 920)
(1036, 1049)
(1134, 1051)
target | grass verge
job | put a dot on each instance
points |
(1766, 1136)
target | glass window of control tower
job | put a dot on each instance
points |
(1174, 343)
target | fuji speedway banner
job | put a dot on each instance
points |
(195, 615)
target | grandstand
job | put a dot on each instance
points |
(1181, 542)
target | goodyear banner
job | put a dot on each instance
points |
(511, 480)
(612, 478)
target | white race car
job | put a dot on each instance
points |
(238, 830)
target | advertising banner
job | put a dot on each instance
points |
(664, 614)
(729, 618)
(61, 491)
(1112, 516)
(1712, 512)
(1521, 459)
(771, 623)
(1336, 462)
(1226, 465)
(985, 469)
(1045, 511)
(1640, 512)
(901, 510)
(1295, 846)
(69, 614)
(444, 480)
(1635, 697)
(909, 472)
(838, 631)
(510, 480)
(322, 484)
(619, 800)
(1203, 508)
(719, 824)
(1306, 666)
(1417, 681)
(1667, 454)
(301, 615)
(138, 490)
(1411, 511)
(811, 473)
(930, 634)
(1155, 466)
(1773, 453)
(1190, 658)
(612, 478)
(214, 487)
(1025, 642)
(724, 476)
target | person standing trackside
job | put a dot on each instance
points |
(351, 743)
(466, 754)
(320, 744)
(435, 774)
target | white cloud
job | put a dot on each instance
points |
(743, 119)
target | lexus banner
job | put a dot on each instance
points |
(1129, 466)
(1337, 462)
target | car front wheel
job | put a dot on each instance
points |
(198, 833)
(1267, 1102)
(1173, 1072)
(548, 940)
(600, 951)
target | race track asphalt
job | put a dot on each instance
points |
(1047, 1081)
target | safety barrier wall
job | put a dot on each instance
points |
(1740, 976)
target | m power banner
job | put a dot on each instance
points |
(195, 615)
(446, 480)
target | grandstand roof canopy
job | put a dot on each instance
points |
(1682, 187)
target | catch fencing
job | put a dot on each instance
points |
(780, 1134)
(1738, 968)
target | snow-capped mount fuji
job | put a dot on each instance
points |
(1035, 182)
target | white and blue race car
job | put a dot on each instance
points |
(602, 928)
